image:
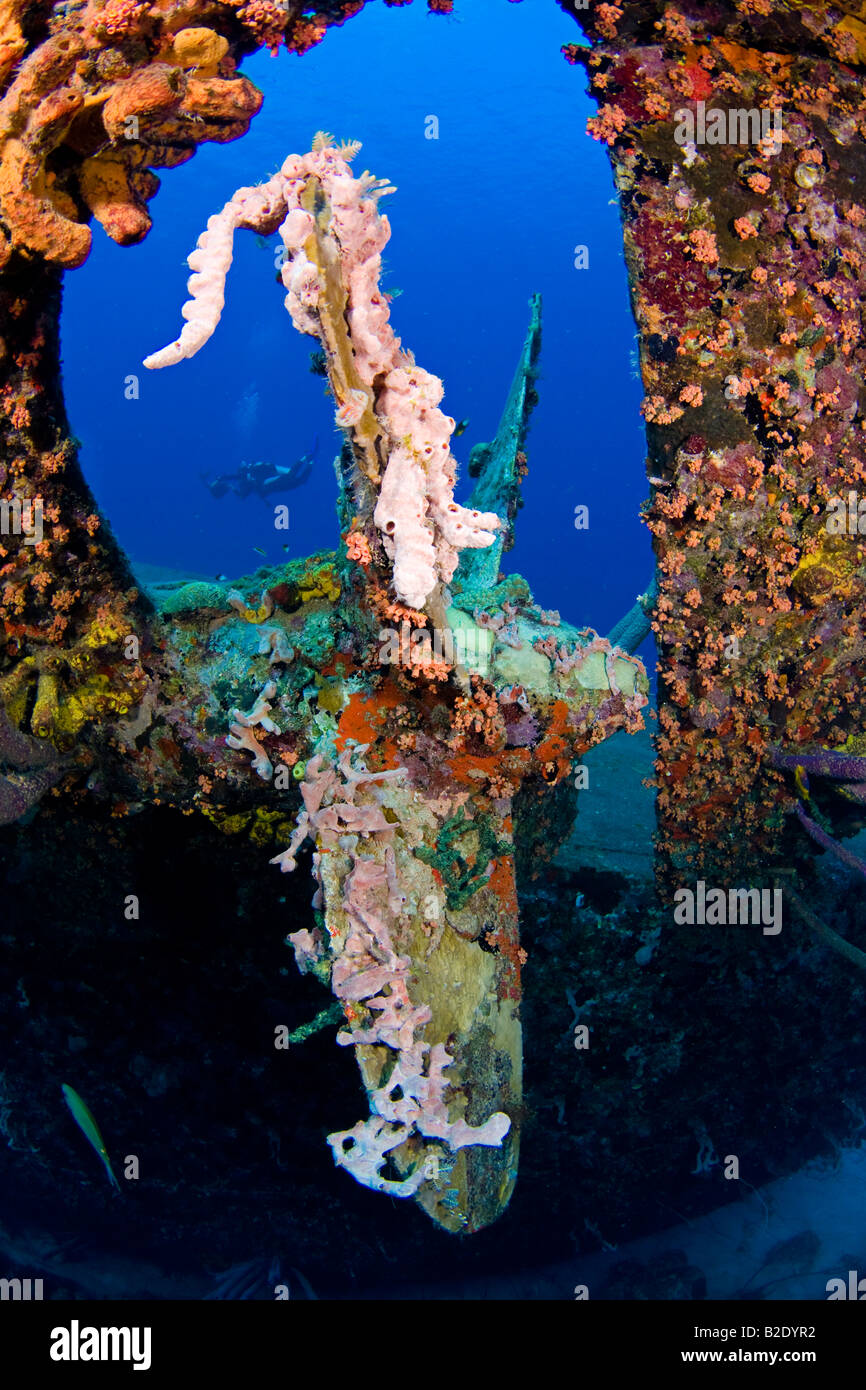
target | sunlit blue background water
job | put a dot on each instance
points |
(483, 216)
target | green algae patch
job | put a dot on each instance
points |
(461, 878)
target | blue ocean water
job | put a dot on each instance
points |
(485, 215)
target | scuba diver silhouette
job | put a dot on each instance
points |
(262, 479)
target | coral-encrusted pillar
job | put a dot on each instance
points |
(67, 600)
(426, 963)
(93, 98)
(736, 137)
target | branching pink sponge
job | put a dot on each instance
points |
(371, 979)
(241, 736)
(333, 235)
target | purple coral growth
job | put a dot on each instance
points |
(31, 769)
(826, 762)
(813, 829)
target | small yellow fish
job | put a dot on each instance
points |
(89, 1128)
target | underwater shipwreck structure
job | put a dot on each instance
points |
(440, 689)
(401, 703)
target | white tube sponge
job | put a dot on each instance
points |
(409, 406)
(301, 279)
(211, 260)
(401, 517)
